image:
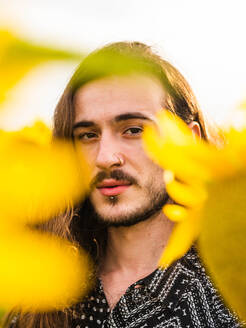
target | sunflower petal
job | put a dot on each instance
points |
(173, 129)
(40, 272)
(46, 179)
(183, 236)
(187, 195)
(171, 156)
(175, 213)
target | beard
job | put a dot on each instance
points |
(156, 198)
(140, 215)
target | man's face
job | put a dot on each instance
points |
(110, 115)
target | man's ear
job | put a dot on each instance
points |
(195, 128)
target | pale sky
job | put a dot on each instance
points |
(204, 39)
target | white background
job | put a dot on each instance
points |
(204, 39)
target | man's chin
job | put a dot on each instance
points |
(117, 219)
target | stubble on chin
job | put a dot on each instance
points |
(153, 205)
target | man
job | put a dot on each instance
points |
(115, 92)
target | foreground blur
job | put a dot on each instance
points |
(40, 179)
(208, 186)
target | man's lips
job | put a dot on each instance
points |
(111, 187)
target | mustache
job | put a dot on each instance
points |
(116, 175)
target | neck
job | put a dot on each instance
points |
(136, 248)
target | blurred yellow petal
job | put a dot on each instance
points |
(211, 184)
(173, 156)
(40, 272)
(152, 142)
(236, 146)
(183, 236)
(176, 213)
(40, 178)
(38, 133)
(188, 157)
(187, 195)
(222, 241)
(40, 181)
(172, 128)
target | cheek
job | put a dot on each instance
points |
(153, 182)
(135, 153)
(156, 173)
(146, 168)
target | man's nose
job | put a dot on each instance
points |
(109, 154)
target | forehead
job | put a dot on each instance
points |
(103, 99)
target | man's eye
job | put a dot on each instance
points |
(87, 136)
(134, 131)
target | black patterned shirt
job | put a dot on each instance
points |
(180, 296)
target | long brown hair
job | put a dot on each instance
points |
(80, 225)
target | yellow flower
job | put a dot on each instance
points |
(208, 186)
(40, 272)
(18, 57)
(39, 133)
(40, 178)
(173, 147)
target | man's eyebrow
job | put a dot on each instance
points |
(118, 118)
(83, 124)
(130, 116)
